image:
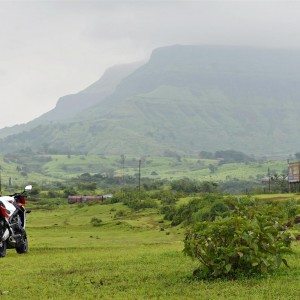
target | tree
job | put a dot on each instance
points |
(206, 155)
(230, 156)
(212, 168)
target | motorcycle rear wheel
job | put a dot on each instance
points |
(3, 249)
(23, 248)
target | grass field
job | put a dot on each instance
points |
(164, 167)
(61, 167)
(136, 257)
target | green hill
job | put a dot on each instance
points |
(70, 106)
(187, 99)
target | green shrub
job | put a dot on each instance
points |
(117, 197)
(88, 186)
(237, 245)
(187, 185)
(96, 222)
(208, 207)
(52, 194)
(120, 214)
(185, 212)
(136, 200)
(35, 191)
(169, 211)
(167, 197)
(137, 204)
(70, 191)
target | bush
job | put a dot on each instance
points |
(120, 214)
(167, 197)
(207, 207)
(35, 191)
(187, 185)
(169, 211)
(136, 200)
(210, 213)
(237, 245)
(88, 186)
(137, 204)
(70, 191)
(52, 194)
(231, 156)
(238, 186)
(96, 222)
(185, 212)
(211, 206)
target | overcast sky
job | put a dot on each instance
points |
(52, 48)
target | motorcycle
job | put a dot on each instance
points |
(13, 222)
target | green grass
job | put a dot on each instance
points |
(129, 258)
(9, 170)
(61, 167)
(279, 197)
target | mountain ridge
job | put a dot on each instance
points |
(70, 105)
(188, 99)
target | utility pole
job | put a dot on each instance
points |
(140, 162)
(0, 184)
(298, 177)
(269, 177)
(123, 168)
(123, 174)
(288, 175)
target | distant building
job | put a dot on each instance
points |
(265, 180)
(294, 172)
(294, 176)
(85, 199)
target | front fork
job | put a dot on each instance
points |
(5, 230)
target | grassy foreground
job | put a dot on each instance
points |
(128, 258)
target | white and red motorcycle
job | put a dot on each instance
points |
(13, 222)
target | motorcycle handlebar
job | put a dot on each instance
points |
(18, 194)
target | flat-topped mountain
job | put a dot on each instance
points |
(184, 99)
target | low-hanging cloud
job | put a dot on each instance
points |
(49, 49)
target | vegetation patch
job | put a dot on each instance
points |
(96, 222)
(245, 237)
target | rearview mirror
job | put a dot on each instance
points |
(28, 188)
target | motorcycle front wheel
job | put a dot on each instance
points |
(22, 248)
(3, 249)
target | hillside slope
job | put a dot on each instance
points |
(187, 99)
(69, 106)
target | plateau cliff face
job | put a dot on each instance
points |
(185, 99)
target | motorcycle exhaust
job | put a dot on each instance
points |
(5, 235)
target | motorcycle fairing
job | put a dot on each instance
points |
(8, 203)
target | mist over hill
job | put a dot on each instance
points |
(185, 99)
(69, 106)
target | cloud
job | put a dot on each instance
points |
(52, 48)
